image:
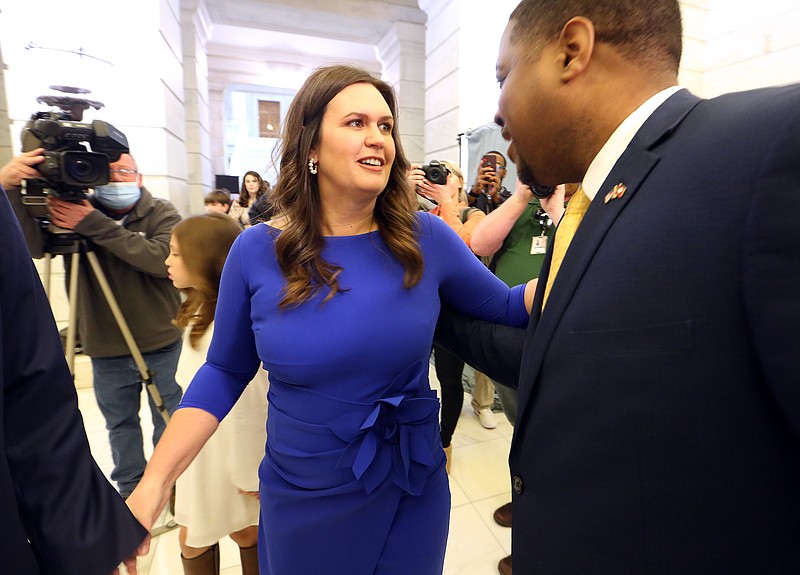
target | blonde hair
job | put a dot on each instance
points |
(456, 171)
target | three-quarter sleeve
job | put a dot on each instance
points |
(466, 284)
(232, 360)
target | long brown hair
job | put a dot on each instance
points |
(296, 195)
(204, 243)
(244, 196)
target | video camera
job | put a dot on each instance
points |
(69, 169)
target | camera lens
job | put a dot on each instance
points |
(85, 169)
(80, 169)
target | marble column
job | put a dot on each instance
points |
(401, 53)
(195, 32)
(6, 150)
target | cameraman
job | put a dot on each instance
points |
(129, 231)
(488, 192)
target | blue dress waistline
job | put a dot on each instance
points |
(394, 438)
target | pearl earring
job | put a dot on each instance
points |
(312, 167)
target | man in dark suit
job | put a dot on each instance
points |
(58, 513)
(659, 388)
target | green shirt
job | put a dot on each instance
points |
(514, 263)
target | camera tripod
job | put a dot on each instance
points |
(69, 244)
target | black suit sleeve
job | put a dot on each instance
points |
(771, 269)
(495, 350)
(75, 521)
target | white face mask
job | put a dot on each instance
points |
(118, 195)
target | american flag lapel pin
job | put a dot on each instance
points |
(618, 191)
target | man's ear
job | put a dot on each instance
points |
(576, 43)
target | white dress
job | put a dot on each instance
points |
(208, 498)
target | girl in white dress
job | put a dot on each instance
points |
(217, 495)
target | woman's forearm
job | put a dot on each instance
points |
(188, 430)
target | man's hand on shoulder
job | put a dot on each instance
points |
(20, 168)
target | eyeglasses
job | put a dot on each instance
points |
(124, 172)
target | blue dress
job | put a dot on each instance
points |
(353, 477)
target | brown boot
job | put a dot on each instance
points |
(205, 564)
(249, 557)
(504, 567)
(503, 515)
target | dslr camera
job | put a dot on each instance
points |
(435, 172)
(69, 169)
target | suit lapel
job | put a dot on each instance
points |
(632, 170)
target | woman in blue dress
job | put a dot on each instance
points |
(338, 298)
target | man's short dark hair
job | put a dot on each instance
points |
(220, 196)
(648, 32)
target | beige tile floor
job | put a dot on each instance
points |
(478, 481)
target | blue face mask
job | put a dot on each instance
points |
(118, 195)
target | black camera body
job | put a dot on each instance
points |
(69, 169)
(542, 192)
(435, 172)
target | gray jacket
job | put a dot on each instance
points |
(132, 257)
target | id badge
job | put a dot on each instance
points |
(538, 245)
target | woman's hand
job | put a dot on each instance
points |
(439, 194)
(416, 176)
(148, 500)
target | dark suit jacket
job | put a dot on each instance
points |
(58, 513)
(659, 392)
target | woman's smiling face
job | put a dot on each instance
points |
(356, 150)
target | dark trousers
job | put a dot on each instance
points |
(448, 371)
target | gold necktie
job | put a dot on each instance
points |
(576, 208)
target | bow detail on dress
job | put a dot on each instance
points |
(395, 440)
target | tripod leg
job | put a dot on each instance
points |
(144, 372)
(48, 260)
(73, 312)
(146, 375)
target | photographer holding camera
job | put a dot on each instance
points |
(129, 231)
(488, 192)
(443, 184)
